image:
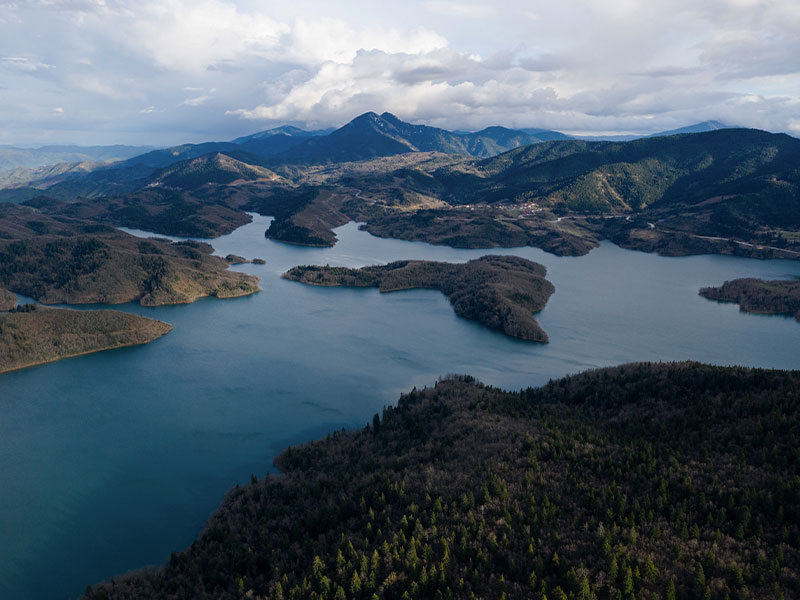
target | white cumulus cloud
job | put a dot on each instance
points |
(575, 65)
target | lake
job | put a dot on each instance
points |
(112, 460)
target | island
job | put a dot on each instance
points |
(780, 297)
(63, 260)
(638, 481)
(32, 335)
(501, 292)
(7, 299)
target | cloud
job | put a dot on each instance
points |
(192, 35)
(571, 65)
(458, 9)
(24, 64)
(197, 100)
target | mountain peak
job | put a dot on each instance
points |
(701, 127)
(387, 116)
(367, 116)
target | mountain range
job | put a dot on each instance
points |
(13, 158)
(627, 176)
(368, 136)
(720, 183)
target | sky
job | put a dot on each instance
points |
(164, 72)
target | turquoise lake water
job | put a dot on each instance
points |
(112, 460)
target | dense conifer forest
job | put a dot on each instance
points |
(641, 481)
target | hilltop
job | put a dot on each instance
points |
(641, 481)
(210, 168)
(371, 135)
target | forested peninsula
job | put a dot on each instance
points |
(780, 297)
(32, 335)
(641, 481)
(64, 260)
(501, 292)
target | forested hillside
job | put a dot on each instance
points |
(642, 481)
(781, 297)
(58, 260)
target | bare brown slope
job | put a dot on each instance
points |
(46, 334)
(501, 292)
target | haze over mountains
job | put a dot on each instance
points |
(714, 181)
(12, 157)
(383, 135)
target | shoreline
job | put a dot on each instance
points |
(126, 345)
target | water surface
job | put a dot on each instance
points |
(111, 460)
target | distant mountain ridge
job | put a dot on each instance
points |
(371, 135)
(12, 157)
(262, 143)
(702, 127)
(287, 130)
(368, 136)
(582, 176)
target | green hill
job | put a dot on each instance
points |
(643, 481)
(760, 169)
(731, 191)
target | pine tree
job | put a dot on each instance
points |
(669, 594)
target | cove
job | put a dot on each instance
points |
(112, 460)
